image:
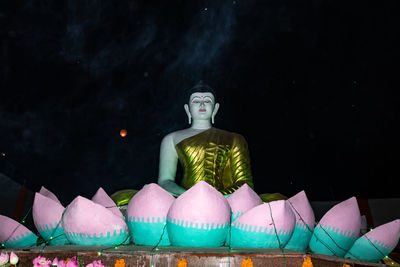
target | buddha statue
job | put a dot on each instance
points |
(218, 157)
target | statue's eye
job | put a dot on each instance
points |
(195, 101)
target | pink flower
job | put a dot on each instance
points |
(3, 258)
(55, 262)
(13, 258)
(59, 263)
(97, 263)
(72, 262)
(41, 262)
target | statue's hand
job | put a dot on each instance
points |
(172, 188)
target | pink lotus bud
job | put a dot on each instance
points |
(97, 263)
(55, 262)
(72, 262)
(3, 258)
(13, 258)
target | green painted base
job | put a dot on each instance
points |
(24, 240)
(191, 236)
(109, 240)
(149, 232)
(300, 238)
(248, 238)
(54, 234)
(332, 242)
(234, 216)
(366, 250)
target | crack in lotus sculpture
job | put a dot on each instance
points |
(337, 230)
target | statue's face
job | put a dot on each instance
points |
(201, 105)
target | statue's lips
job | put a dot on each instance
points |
(202, 110)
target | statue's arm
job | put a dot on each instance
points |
(240, 163)
(167, 166)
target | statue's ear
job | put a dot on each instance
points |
(216, 107)
(186, 107)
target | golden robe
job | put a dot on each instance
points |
(217, 157)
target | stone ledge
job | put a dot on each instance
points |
(169, 256)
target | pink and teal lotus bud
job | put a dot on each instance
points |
(87, 223)
(363, 225)
(269, 225)
(3, 258)
(13, 258)
(376, 244)
(49, 194)
(337, 230)
(199, 217)
(242, 200)
(147, 216)
(102, 198)
(41, 261)
(305, 221)
(15, 235)
(47, 215)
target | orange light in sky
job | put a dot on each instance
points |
(123, 132)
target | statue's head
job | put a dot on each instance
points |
(201, 105)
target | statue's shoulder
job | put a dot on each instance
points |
(177, 136)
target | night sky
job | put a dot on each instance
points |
(313, 86)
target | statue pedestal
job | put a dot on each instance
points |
(169, 256)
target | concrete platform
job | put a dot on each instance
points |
(169, 256)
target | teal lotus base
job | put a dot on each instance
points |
(300, 238)
(101, 240)
(54, 234)
(186, 235)
(24, 240)
(234, 216)
(366, 250)
(330, 241)
(149, 233)
(244, 236)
